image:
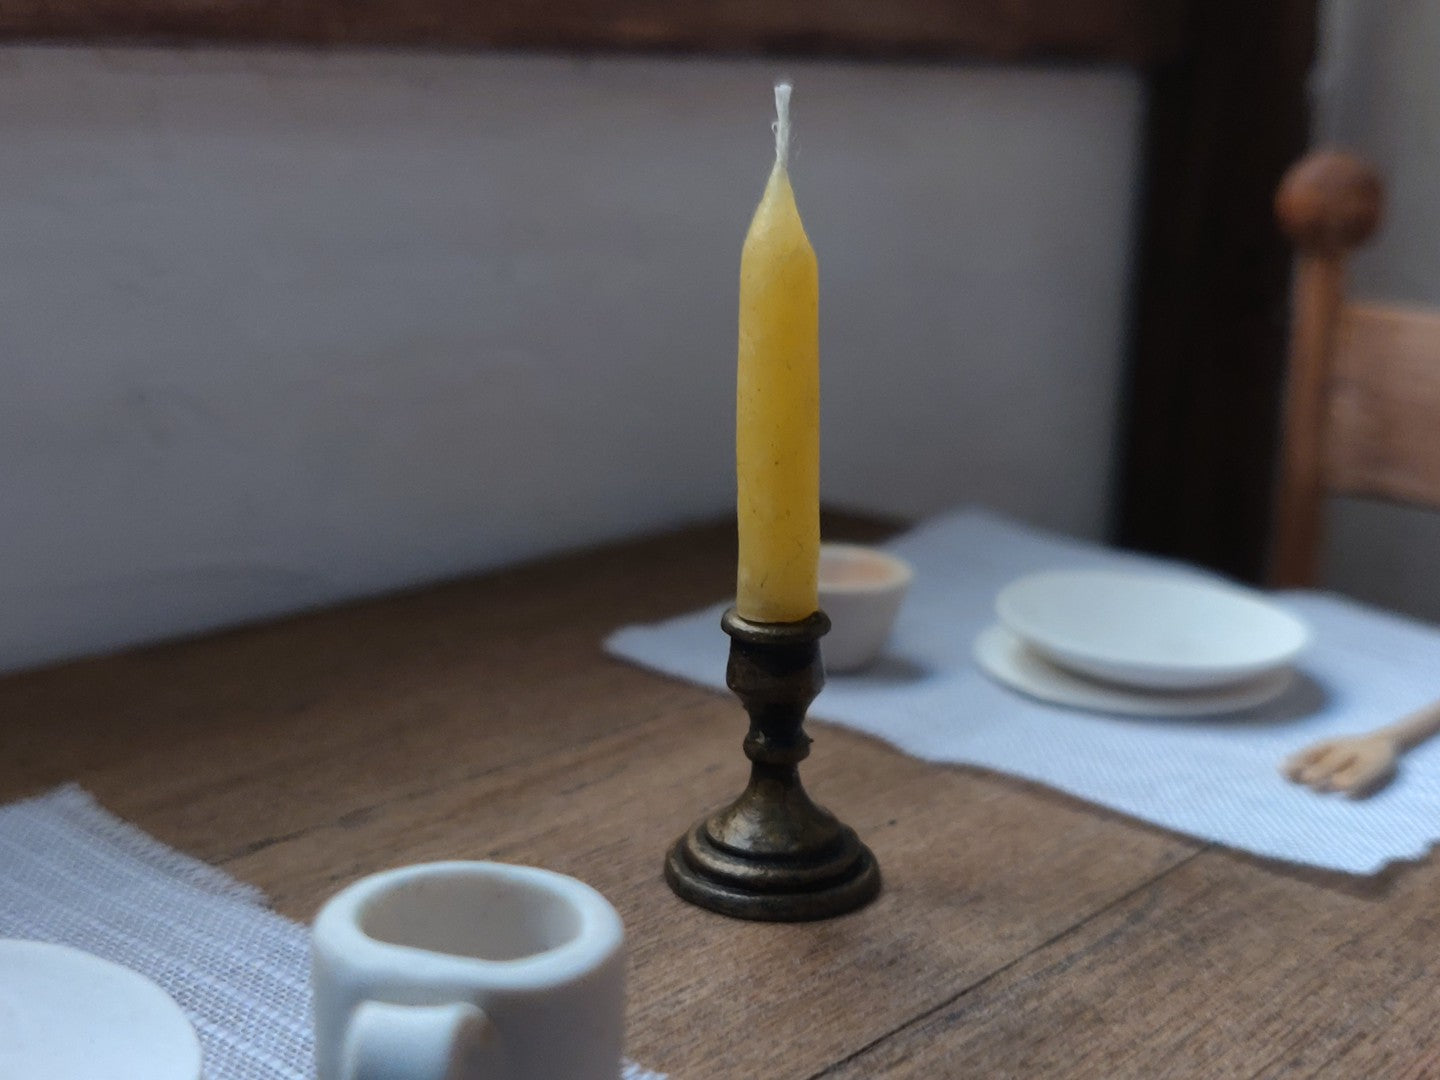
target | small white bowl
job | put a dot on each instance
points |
(861, 589)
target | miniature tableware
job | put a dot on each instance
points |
(1151, 631)
(1359, 764)
(1012, 663)
(468, 971)
(861, 590)
(68, 1015)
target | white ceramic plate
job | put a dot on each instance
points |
(67, 1015)
(1151, 631)
(1012, 663)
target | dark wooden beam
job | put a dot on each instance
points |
(1225, 120)
(1130, 31)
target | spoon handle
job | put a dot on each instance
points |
(1410, 731)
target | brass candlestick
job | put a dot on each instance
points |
(772, 854)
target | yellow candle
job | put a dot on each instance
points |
(777, 431)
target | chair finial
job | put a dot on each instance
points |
(1329, 202)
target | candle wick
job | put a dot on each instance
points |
(782, 124)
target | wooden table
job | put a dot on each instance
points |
(1020, 933)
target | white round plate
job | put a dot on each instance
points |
(1152, 631)
(1012, 663)
(67, 1015)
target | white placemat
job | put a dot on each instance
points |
(73, 874)
(1215, 779)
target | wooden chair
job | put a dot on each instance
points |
(1362, 405)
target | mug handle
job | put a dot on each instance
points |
(423, 1042)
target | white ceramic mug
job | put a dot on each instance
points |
(468, 971)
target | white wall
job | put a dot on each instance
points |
(281, 328)
(1377, 90)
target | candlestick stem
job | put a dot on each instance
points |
(772, 854)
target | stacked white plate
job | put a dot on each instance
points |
(1141, 644)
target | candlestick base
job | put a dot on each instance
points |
(772, 854)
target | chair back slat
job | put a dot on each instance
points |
(1384, 408)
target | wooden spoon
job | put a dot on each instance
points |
(1360, 764)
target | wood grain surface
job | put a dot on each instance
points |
(1319, 292)
(1020, 933)
(1133, 31)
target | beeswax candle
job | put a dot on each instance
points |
(777, 437)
